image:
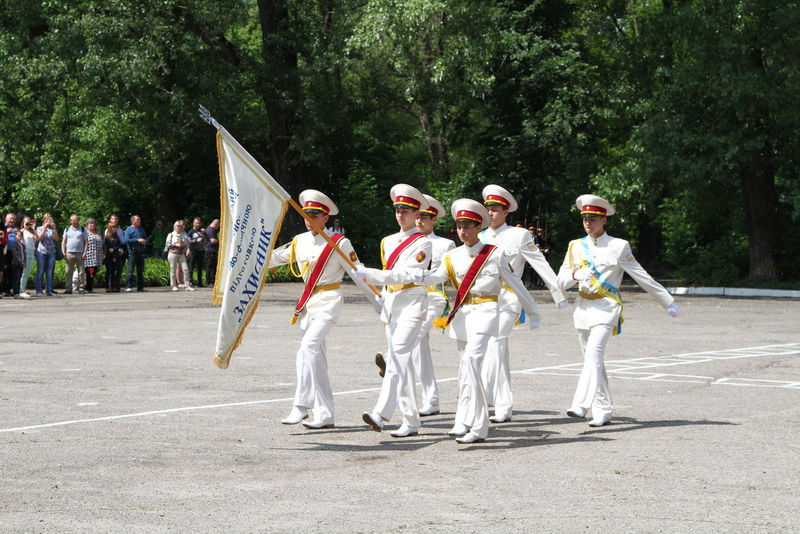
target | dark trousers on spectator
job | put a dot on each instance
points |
(196, 263)
(113, 271)
(14, 275)
(91, 272)
(135, 261)
(211, 267)
(6, 286)
(119, 265)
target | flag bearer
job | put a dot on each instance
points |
(478, 271)
(597, 263)
(404, 310)
(318, 308)
(518, 243)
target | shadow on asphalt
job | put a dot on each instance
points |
(520, 432)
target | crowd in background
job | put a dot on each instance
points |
(87, 248)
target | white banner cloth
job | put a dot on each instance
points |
(253, 206)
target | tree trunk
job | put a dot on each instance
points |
(279, 92)
(437, 146)
(761, 210)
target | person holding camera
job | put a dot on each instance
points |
(46, 254)
(31, 240)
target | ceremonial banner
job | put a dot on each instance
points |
(253, 206)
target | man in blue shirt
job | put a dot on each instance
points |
(135, 238)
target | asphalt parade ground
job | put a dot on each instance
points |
(113, 418)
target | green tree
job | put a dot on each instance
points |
(710, 125)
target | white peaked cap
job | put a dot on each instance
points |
(594, 205)
(434, 208)
(406, 195)
(311, 199)
(494, 194)
(468, 209)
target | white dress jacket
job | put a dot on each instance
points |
(612, 258)
(482, 318)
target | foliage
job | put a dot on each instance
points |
(680, 113)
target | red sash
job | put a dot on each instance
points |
(399, 250)
(315, 275)
(469, 279)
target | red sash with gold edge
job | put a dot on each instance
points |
(399, 250)
(315, 275)
(469, 279)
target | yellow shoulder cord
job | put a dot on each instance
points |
(451, 274)
(569, 255)
(383, 255)
(441, 322)
(292, 262)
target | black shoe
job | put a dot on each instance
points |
(67, 292)
(381, 363)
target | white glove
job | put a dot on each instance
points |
(359, 272)
(672, 310)
(377, 304)
(533, 325)
(560, 305)
(418, 275)
(582, 274)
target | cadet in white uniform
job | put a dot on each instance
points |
(476, 316)
(519, 244)
(404, 310)
(597, 263)
(319, 312)
(437, 300)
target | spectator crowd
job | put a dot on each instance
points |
(88, 248)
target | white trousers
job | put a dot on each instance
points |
(472, 410)
(592, 391)
(177, 261)
(421, 355)
(313, 386)
(496, 371)
(397, 389)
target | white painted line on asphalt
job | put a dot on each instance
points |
(629, 369)
(143, 414)
(175, 410)
(774, 350)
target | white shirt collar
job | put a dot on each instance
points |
(499, 229)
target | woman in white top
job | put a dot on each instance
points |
(177, 248)
(31, 240)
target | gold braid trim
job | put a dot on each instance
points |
(292, 262)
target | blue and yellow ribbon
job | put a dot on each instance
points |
(600, 284)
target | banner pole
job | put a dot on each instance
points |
(321, 232)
